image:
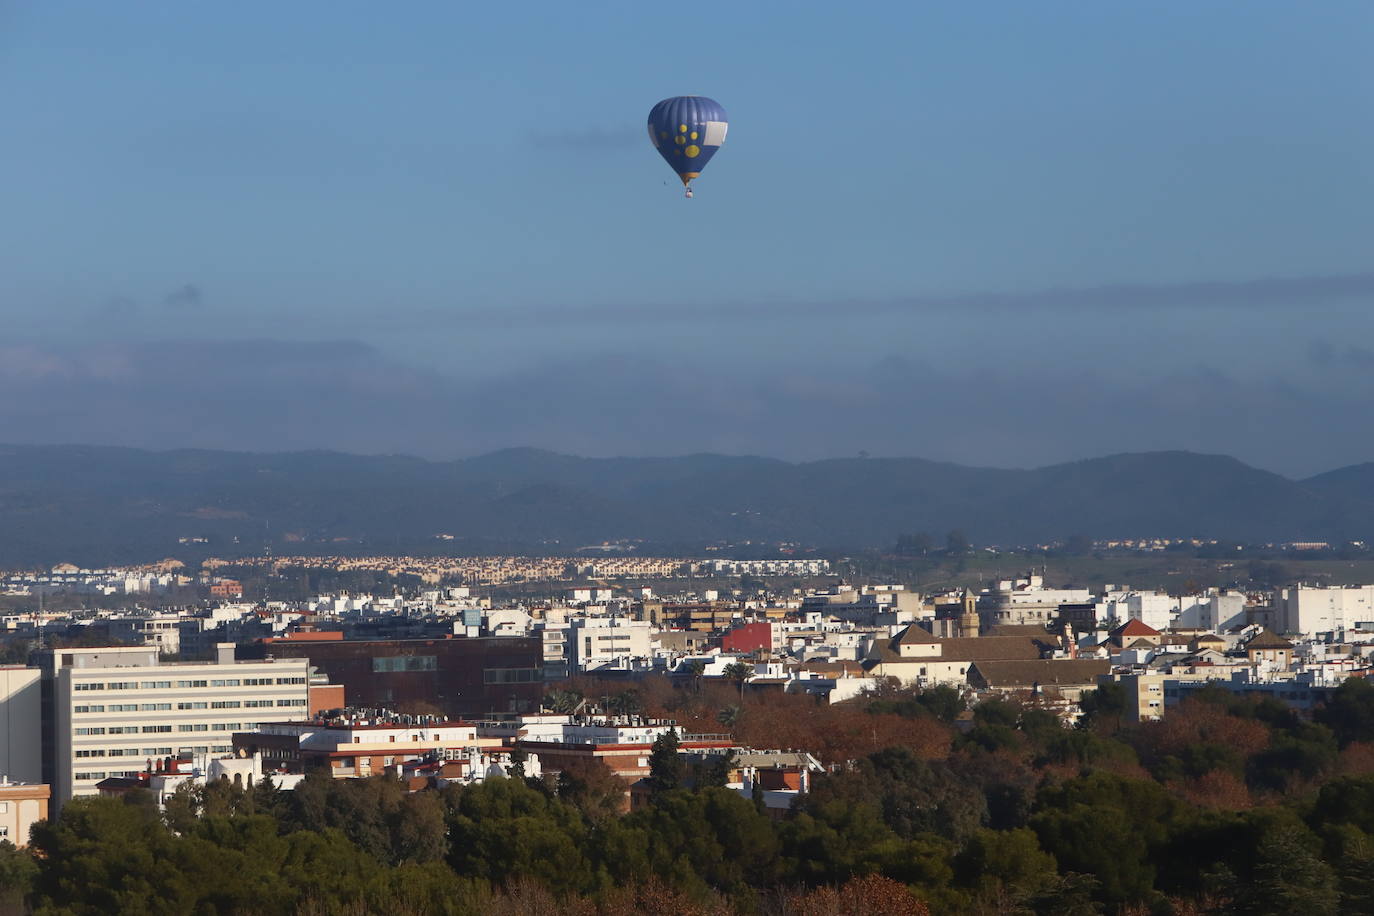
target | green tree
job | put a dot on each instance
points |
(913, 545)
(1078, 545)
(1289, 877)
(1103, 708)
(518, 757)
(17, 873)
(1111, 827)
(713, 770)
(503, 830)
(957, 543)
(943, 701)
(665, 764)
(1349, 711)
(914, 796)
(1006, 865)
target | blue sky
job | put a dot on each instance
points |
(1020, 205)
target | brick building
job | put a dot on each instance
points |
(462, 677)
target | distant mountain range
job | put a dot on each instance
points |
(110, 505)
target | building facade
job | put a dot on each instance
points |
(21, 806)
(117, 711)
(21, 724)
(462, 677)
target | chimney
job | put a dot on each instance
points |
(224, 653)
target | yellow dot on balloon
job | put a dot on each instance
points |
(682, 128)
(693, 151)
(680, 141)
(663, 135)
(694, 135)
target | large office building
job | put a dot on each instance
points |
(118, 711)
(462, 677)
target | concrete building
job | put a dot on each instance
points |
(622, 744)
(749, 637)
(916, 657)
(167, 776)
(462, 677)
(21, 806)
(1143, 693)
(596, 642)
(555, 642)
(1026, 601)
(115, 711)
(161, 631)
(360, 743)
(21, 724)
(1066, 678)
(1269, 649)
(1215, 611)
(1309, 612)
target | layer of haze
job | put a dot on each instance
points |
(1001, 233)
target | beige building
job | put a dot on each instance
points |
(1066, 678)
(1267, 646)
(21, 806)
(117, 711)
(21, 725)
(1143, 695)
(915, 656)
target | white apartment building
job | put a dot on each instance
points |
(162, 631)
(1310, 611)
(1154, 609)
(594, 642)
(577, 729)
(555, 640)
(110, 711)
(1218, 612)
(362, 743)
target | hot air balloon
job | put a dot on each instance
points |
(687, 130)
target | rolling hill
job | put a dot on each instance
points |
(99, 505)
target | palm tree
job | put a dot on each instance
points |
(561, 700)
(625, 703)
(729, 716)
(696, 668)
(740, 673)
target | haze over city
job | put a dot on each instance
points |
(999, 234)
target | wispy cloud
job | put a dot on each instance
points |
(187, 296)
(1264, 293)
(276, 396)
(1329, 355)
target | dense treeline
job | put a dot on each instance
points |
(1227, 806)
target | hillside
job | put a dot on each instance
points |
(106, 505)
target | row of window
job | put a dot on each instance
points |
(159, 729)
(164, 707)
(512, 675)
(109, 730)
(159, 685)
(124, 752)
(384, 664)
